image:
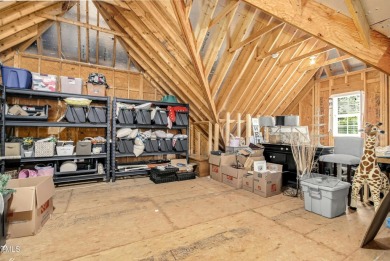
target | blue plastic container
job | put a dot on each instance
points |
(16, 77)
(388, 222)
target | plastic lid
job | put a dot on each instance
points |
(322, 180)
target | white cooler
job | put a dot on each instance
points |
(325, 196)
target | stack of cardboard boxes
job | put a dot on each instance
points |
(265, 183)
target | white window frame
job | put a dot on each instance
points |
(334, 113)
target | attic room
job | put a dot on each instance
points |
(195, 130)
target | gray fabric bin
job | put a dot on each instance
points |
(83, 148)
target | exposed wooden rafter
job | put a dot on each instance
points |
(85, 25)
(359, 18)
(254, 36)
(306, 55)
(229, 8)
(334, 28)
(328, 62)
(283, 47)
(205, 17)
(191, 44)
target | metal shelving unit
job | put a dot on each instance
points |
(114, 154)
(58, 178)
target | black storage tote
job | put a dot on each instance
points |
(161, 118)
(165, 145)
(76, 114)
(151, 145)
(97, 114)
(181, 118)
(126, 146)
(126, 116)
(143, 117)
(181, 145)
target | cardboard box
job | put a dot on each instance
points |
(247, 181)
(30, 206)
(232, 181)
(250, 160)
(203, 166)
(268, 183)
(215, 164)
(257, 153)
(231, 171)
(182, 165)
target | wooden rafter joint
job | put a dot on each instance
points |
(359, 19)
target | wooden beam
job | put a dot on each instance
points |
(331, 61)
(333, 28)
(42, 27)
(343, 63)
(28, 21)
(151, 62)
(255, 36)
(190, 41)
(306, 55)
(6, 4)
(17, 11)
(359, 18)
(217, 40)
(309, 86)
(328, 71)
(227, 9)
(85, 25)
(284, 46)
(202, 27)
(18, 38)
(225, 62)
(188, 8)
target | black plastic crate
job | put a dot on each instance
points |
(126, 116)
(168, 171)
(76, 114)
(181, 145)
(181, 119)
(151, 145)
(143, 117)
(125, 146)
(159, 180)
(33, 113)
(161, 118)
(185, 176)
(165, 145)
(97, 114)
(100, 145)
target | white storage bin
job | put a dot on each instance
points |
(325, 196)
(65, 150)
(71, 85)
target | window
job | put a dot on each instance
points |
(347, 114)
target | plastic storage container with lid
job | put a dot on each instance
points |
(16, 77)
(325, 196)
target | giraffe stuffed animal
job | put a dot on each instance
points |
(368, 171)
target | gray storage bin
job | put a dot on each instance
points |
(126, 146)
(151, 145)
(76, 114)
(97, 114)
(181, 145)
(325, 196)
(143, 117)
(83, 148)
(165, 145)
(161, 118)
(181, 119)
(126, 116)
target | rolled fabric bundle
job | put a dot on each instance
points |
(291, 120)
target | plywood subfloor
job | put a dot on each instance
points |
(200, 219)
